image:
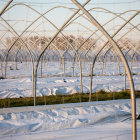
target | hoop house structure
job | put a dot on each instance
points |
(82, 39)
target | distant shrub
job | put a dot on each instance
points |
(11, 68)
(61, 99)
(101, 92)
(133, 73)
(1, 77)
(92, 75)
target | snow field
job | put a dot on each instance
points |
(105, 119)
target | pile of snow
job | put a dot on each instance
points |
(16, 88)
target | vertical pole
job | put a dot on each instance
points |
(124, 80)
(119, 66)
(81, 76)
(131, 63)
(91, 74)
(41, 65)
(64, 67)
(73, 66)
(84, 61)
(1, 70)
(102, 67)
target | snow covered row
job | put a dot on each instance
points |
(107, 119)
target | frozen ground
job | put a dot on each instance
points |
(19, 82)
(107, 120)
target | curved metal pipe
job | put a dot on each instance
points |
(95, 23)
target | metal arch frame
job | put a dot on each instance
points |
(16, 4)
(135, 57)
(116, 14)
(111, 40)
(26, 28)
(32, 50)
(104, 24)
(50, 9)
(132, 55)
(99, 37)
(81, 76)
(53, 45)
(107, 43)
(80, 25)
(61, 55)
(42, 15)
(107, 21)
(110, 50)
(5, 33)
(35, 10)
(49, 52)
(15, 56)
(79, 47)
(8, 29)
(55, 27)
(117, 41)
(91, 45)
(76, 52)
(46, 54)
(71, 9)
(18, 51)
(10, 1)
(136, 52)
(2, 55)
(13, 45)
(99, 52)
(16, 40)
(32, 23)
(104, 57)
(62, 27)
(95, 23)
(131, 67)
(32, 60)
(123, 36)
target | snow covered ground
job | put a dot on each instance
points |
(19, 82)
(107, 120)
